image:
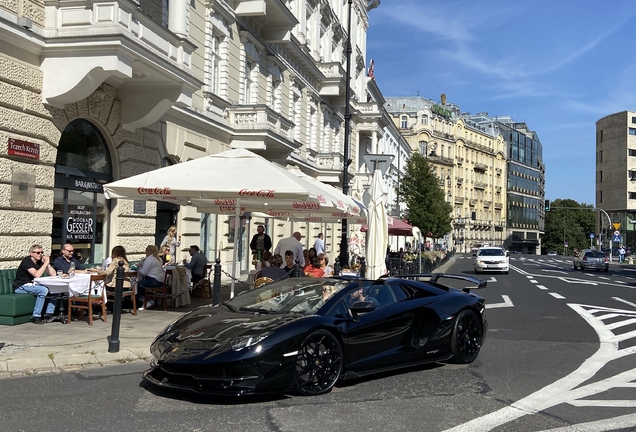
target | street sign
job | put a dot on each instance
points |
(591, 235)
(616, 225)
(617, 233)
(617, 239)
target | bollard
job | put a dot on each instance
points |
(363, 267)
(297, 272)
(336, 267)
(113, 339)
(216, 287)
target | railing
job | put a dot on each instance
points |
(399, 266)
(472, 201)
(481, 166)
(459, 199)
(487, 203)
(480, 185)
(460, 180)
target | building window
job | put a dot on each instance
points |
(632, 152)
(632, 131)
(599, 177)
(632, 175)
(423, 145)
(424, 119)
(600, 156)
(213, 72)
(632, 195)
(633, 120)
(405, 122)
(599, 137)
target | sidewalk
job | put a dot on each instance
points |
(28, 348)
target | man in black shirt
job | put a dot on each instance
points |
(63, 262)
(34, 266)
(260, 243)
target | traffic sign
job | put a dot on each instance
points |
(616, 225)
(617, 239)
(617, 233)
(591, 235)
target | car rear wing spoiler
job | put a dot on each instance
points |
(435, 277)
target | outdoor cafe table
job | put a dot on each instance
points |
(74, 286)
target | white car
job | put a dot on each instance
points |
(492, 258)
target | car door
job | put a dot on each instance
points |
(375, 340)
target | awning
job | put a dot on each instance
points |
(397, 227)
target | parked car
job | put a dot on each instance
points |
(305, 334)
(492, 258)
(552, 253)
(591, 259)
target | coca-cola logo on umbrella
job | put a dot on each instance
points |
(263, 193)
(224, 202)
(153, 191)
(304, 205)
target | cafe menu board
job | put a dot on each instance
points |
(80, 224)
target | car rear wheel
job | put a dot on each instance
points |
(468, 335)
(318, 364)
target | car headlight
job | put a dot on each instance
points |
(239, 343)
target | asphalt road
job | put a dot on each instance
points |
(559, 356)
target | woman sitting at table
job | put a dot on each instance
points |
(323, 259)
(150, 274)
(165, 256)
(117, 254)
(314, 270)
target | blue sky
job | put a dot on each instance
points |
(558, 65)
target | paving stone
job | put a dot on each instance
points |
(71, 359)
(29, 364)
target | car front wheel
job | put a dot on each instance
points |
(467, 337)
(318, 364)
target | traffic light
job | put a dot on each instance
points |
(547, 205)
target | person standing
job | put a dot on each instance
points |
(63, 262)
(621, 254)
(34, 266)
(319, 244)
(293, 244)
(197, 264)
(260, 243)
(173, 242)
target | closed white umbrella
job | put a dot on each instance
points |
(377, 231)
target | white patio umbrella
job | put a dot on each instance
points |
(377, 231)
(235, 176)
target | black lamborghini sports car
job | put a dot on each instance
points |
(304, 334)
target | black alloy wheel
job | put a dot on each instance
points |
(468, 335)
(318, 364)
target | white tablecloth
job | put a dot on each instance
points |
(77, 285)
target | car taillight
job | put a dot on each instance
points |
(584, 258)
(606, 259)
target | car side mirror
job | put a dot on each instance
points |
(361, 307)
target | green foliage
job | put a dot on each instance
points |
(573, 224)
(427, 208)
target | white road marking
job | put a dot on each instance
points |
(554, 271)
(589, 274)
(570, 389)
(542, 287)
(603, 277)
(557, 296)
(620, 282)
(507, 303)
(533, 281)
(620, 422)
(624, 301)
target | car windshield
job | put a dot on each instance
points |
(595, 254)
(491, 252)
(294, 295)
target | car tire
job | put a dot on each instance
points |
(468, 335)
(318, 363)
(476, 271)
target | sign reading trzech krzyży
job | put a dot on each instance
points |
(23, 148)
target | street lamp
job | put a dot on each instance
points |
(344, 243)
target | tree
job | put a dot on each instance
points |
(426, 206)
(566, 223)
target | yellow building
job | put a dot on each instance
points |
(468, 158)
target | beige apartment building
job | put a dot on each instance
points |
(470, 161)
(96, 91)
(616, 177)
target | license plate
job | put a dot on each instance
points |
(493, 266)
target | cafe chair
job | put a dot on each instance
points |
(163, 292)
(86, 301)
(204, 284)
(262, 281)
(127, 291)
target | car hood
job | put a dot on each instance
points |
(210, 331)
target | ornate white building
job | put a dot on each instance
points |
(100, 91)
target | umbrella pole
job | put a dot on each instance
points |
(237, 227)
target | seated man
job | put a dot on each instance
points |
(274, 271)
(63, 262)
(34, 266)
(197, 264)
(359, 295)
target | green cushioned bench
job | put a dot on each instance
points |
(14, 308)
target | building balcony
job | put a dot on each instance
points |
(442, 135)
(441, 160)
(460, 160)
(460, 221)
(441, 182)
(260, 128)
(335, 82)
(459, 200)
(271, 14)
(498, 189)
(480, 167)
(487, 204)
(498, 171)
(480, 185)
(472, 202)
(498, 205)
(143, 54)
(460, 180)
